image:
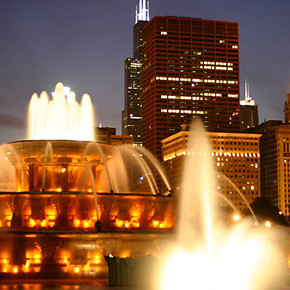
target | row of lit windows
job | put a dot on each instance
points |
(195, 80)
(183, 111)
(216, 67)
(171, 97)
(217, 63)
(196, 98)
(236, 154)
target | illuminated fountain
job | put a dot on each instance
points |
(209, 255)
(66, 200)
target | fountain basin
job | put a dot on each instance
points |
(56, 165)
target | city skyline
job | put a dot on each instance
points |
(84, 45)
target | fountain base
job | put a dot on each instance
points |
(130, 272)
(61, 255)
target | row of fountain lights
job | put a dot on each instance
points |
(49, 222)
(50, 218)
(34, 260)
(237, 217)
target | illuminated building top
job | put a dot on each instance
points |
(248, 101)
(143, 13)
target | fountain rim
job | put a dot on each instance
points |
(82, 193)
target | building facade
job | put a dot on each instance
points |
(275, 163)
(237, 160)
(132, 113)
(190, 68)
(249, 111)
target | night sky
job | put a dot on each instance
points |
(84, 43)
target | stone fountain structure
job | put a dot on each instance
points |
(66, 201)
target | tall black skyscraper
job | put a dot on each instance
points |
(132, 113)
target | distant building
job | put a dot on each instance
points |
(107, 135)
(236, 155)
(103, 134)
(249, 111)
(287, 110)
(190, 68)
(132, 113)
(275, 163)
(116, 140)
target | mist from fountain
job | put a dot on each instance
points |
(208, 256)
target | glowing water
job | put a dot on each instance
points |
(62, 117)
(207, 255)
(198, 191)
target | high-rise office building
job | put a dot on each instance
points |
(132, 113)
(190, 68)
(249, 111)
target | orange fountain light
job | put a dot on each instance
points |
(160, 224)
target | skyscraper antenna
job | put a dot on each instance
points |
(142, 11)
(247, 91)
(136, 14)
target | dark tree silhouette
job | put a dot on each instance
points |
(265, 210)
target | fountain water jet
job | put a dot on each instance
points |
(207, 256)
(144, 158)
(60, 118)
